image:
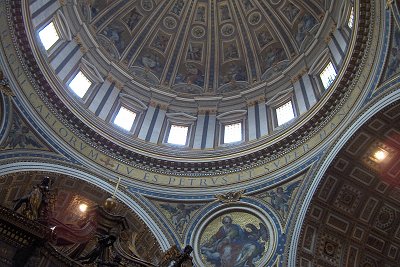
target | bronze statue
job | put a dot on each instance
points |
(104, 242)
(35, 201)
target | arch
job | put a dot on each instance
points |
(360, 121)
(91, 179)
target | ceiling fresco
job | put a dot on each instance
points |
(203, 47)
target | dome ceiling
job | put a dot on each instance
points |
(117, 56)
(203, 47)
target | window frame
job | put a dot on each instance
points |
(325, 66)
(281, 104)
(224, 125)
(57, 43)
(178, 119)
(115, 114)
(62, 28)
(168, 132)
(88, 91)
(228, 118)
(317, 68)
(177, 123)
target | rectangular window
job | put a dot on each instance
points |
(350, 22)
(233, 133)
(80, 84)
(125, 118)
(48, 36)
(178, 135)
(328, 75)
(284, 113)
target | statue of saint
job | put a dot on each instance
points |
(35, 201)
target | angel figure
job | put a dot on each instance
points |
(180, 215)
(280, 197)
(19, 136)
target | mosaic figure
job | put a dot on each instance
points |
(230, 52)
(132, 19)
(247, 4)
(234, 245)
(200, 14)
(151, 62)
(305, 25)
(20, 136)
(114, 34)
(280, 197)
(234, 72)
(191, 75)
(194, 52)
(273, 56)
(177, 8)
(224, 12)
(290, 11)
(264, 38)
(160, 42)
(179, 214)
(96, 6)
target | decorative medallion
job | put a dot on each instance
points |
(254, 18)
(147, 5)
(170, 22)
(227, 30)
(275, 2)
(198, 31)
(235, 238)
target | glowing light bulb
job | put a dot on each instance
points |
(83, 207)
(380, 155)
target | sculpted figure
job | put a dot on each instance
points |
(103, 242)
(35, 201)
